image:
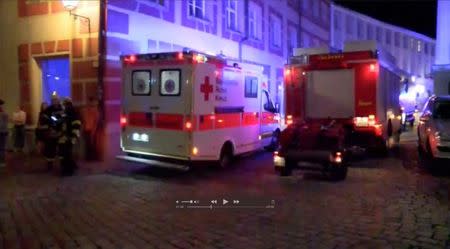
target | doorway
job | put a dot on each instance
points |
(55, 77)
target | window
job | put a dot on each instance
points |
(432, 50)
(232, 22)
(324, 11)
(197, 8)
(360, 29)
(292, 43)
(336, 21)
(170, 82)
(255, 21)
(397, 39)
(275, 31)
(388, 37)
(305, 40)
(425, 48)
(379, 34)
(411, 43)
(141, 83)
(159, 2)
(419, 46)
(315, 8)
(251, 87)
(268, 103)
(405, 42)
(305, 4)
(349, 21)
(369, 32)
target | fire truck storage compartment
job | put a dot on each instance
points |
(330, 93)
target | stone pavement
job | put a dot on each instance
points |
(384, 203)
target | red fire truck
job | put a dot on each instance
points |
(356, 90)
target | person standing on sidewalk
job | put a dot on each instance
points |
(70, 134)
(42, 128)
(3, 134)
(90, 117)
(53, 119)
(19, 119)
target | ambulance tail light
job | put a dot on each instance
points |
(123, 121)
(289, 120)
(180, 56)
(130, 59)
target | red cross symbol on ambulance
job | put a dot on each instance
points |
(206, 88)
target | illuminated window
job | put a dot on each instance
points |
(255, 21)
(197, 8)
(419, 46)
(232, 22)
(141, 83)
(275, 31)
(251, 87)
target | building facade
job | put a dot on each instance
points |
(414, 53)
(48, 48)
(441, 68)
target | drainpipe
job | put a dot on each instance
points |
(241, 42)
(102, 61)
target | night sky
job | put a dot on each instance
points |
(416, 15)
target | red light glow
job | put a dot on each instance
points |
(287, 72)
(188, 125)
(180, 56)
(372, 67)
(123, 121)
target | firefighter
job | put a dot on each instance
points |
(52, 120)
(70, 134)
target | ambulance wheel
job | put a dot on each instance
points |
(226, 156)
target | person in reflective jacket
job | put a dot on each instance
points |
(51, 120)
(71, 125)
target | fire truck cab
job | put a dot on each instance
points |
(183, 107)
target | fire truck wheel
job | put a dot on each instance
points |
(226, 155)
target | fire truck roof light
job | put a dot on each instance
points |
(287, 72)
(372, 67)
(180, 55)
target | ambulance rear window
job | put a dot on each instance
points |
(170, 82)
(141, 83)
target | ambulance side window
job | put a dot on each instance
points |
(170, 82)
(251, 87)
(268, 104)
(141, 85)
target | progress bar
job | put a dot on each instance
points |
(225, 207)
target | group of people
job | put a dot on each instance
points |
(58, 130)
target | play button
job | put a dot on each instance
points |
(224, 202)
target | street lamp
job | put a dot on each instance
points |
(71, 5)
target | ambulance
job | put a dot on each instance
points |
(179, 108)
(359, 86)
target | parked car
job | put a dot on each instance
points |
(434, 128)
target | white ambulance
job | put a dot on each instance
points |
(183, 107)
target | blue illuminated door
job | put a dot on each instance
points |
(55, 77)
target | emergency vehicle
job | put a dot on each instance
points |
(335, 102)
(188, 106)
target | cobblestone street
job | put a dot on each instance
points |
(389, 202)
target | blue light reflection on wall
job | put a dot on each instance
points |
(55, 77)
